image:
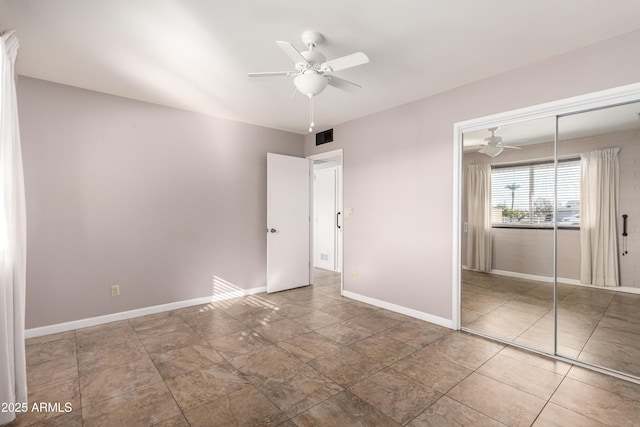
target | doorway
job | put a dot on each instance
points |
(326, 219)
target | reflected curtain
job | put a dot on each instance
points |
(13, 382)
(478, 190)
(599, 188)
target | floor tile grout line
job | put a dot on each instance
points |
(160, 375)
(553, 394)
(501, 382)
(599, 387)
(473, 409)
(389, 366)
(569, 409)
(75, 341)
(56, 382)
(150, 359)
(595, 327)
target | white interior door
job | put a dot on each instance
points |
(325, 218)
(287, 222)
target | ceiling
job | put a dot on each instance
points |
(194, 54)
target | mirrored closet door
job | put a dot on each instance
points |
(598, 321)
(549, 246)
(507, 241)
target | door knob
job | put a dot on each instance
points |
(273, 230)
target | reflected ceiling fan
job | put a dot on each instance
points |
(493, 145)
(312, 70)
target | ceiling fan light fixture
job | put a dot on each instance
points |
(492, 150)
(310, 83)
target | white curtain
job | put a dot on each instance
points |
(13, 371)
(478, 190)
(599, 187)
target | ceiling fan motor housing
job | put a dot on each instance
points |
(314, 57)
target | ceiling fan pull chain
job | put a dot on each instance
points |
(311, 124)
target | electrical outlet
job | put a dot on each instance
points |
(115, 290)
(355, 275)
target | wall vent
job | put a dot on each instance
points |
(324, 137)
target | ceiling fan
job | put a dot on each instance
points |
(313, 72)
(493, 145)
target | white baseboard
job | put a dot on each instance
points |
(99, 320)
(447, 323)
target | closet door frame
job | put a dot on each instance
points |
(582, 103)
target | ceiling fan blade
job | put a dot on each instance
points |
(293, 53)
(343, 84)
(272, 74)
(345, 62)
(511, 146)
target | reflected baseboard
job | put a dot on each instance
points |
(546, 279)
(561, 280)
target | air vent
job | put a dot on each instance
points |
(324, 137)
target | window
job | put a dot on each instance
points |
(522, 195)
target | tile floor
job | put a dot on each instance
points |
(308, 357)
(594, 325)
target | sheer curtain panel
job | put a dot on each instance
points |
(478, 190)
(13, 371)
(599, 187)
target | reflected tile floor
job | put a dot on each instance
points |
(309, 357)
(597, 326)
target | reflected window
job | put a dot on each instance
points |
(523, 194)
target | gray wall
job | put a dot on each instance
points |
(154, 199)
(398, 171)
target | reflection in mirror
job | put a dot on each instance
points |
(599, 320)
(508, 232)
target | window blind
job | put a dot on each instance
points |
(524, 194)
